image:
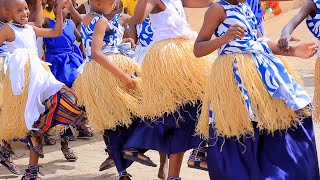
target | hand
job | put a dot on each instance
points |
(283, 42)
(68, 4)
(235, 32)
(127, 81)
(130, 40)
(305, 50)
(61, 3)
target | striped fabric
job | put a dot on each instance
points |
(62, 109)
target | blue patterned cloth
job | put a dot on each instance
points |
(313, 24)
(3, 48)
(112, 39)
(258, 12)
(145, 33)
(278, 82)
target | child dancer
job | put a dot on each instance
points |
(309, 11)
(112, 83)
(261, 112)
(65, 58)
(173, 82)
(44, 101)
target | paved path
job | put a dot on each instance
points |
(91, 152)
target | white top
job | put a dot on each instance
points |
(25, 38)
(42, 83)
(171, 23)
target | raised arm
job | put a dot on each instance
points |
(309, 8)
(98, 56)
(142, 11)
(76, 16)
(197, 3)
(57, 30)
(214, 16)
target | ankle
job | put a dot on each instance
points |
(124, 174)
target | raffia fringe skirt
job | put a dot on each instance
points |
(107, 102)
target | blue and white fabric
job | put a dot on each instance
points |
(258, 12)
(313, 24)
(145, 33)
(3, 48)
(278, 82)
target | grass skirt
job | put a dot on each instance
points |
(107, 102)
(172, 76)
(229, 106)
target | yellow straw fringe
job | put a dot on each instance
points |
(172, 76)
(12, 112)
(1, 82)
(108, 103)
(229, 106)
(317, 92)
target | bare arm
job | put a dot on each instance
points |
(38, 17)
(57, 30)
(6, 34)
(98, 56)
(309, 8)
(214, 16)
(142, 11)
(76, 16)
(197, 3)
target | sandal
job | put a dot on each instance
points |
(134, 155)
(36, 148)
(32, 173)
(49, 140)
(86, 131)
(197, 159)
(67, 151)
(5, 160)
(107, 164)
(124, 176)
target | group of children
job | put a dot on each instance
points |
(252, 117)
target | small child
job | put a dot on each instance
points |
(258, 106)
(46, 102)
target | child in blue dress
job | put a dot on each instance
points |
(262, 127)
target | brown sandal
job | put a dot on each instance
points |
(67, 151)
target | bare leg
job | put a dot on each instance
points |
(175, 162)
(163, 169)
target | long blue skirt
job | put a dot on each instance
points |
(286, 155)
(170, 134)
(116, 140)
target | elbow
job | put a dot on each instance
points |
(196, 52)
(95, 54)
(136, 20)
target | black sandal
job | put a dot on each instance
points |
(107, 164)
(36, 149)
(173, 178)
(198, 156)
(135, 157)
(124, 176)
(32, 173)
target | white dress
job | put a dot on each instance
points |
(42, 83)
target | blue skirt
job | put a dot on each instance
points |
(170, 134)
(287, 155)
(116, 141)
